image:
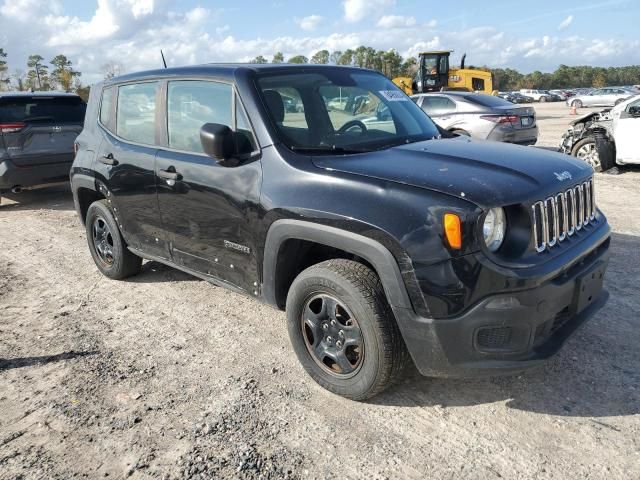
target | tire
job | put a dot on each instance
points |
(344, 296)
(593, 153)
(461, 133)
(576, 103)
(543, 99)
(107, 247)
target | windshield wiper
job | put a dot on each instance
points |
(329, 149)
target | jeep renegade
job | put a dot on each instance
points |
(384, 238)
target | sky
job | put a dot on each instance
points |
(527, 36)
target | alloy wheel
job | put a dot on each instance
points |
(589, 154)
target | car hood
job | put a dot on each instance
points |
(485, 173)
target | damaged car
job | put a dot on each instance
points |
(607, 138)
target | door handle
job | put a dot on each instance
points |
(108, 159)
(168, 174)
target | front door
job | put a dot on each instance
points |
(207, 209)
(626, 135)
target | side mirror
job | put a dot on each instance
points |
(634, 111)
(217, 141)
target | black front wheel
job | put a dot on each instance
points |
(108, 248)
(343, 330)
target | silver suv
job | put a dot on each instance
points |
(485, 117)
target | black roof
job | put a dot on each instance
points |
(225, 71)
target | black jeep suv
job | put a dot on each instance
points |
(383, 238)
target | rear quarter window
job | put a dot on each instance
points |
(42, 109)
(106, 107)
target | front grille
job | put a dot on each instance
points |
(563, 215)
(494, 337)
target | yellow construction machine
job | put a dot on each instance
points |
(434, 75)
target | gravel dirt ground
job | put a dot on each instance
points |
(166, 376)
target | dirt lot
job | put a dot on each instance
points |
(165, 376)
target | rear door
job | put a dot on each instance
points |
(441, 109)
(626, 135)
(126, 162)
(40, 130)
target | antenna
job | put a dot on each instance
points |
(163, 60)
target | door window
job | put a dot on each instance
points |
(136, 112)
(435, 105)
(192, 103)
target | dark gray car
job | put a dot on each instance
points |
(485, 117)
(37, 133)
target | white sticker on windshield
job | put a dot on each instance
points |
(394, 95)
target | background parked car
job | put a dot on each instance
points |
(601, 97)
(517, 97)
(537, 95)
(37, 134)
(480, 116)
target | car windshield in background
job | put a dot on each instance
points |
(341, 111)
(42, 109)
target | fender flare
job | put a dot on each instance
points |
(372, 251)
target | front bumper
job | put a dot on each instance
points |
(512, 331)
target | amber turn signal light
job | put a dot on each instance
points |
(453, 230)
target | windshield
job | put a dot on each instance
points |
(339, 110)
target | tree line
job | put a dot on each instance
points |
(59, 73)
(392, 64)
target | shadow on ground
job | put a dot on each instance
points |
(8, 364)
(54, 197)
(596, 374)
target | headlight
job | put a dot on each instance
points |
(494, 228)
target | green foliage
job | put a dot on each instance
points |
(63, 73)
(320, 57)
(298, 59)
(38, 73)
(259, 59)
(4, 78)
(278, 58)
(566, 77)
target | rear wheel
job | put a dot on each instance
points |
(343, 330)
(576, 103)
(108, 248)
(543, 99)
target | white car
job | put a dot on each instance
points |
(606, 138)
(537, 95)
(626, 125)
